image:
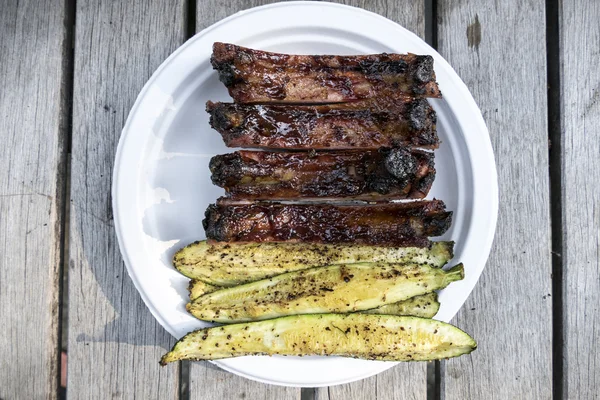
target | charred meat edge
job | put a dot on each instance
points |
(258, 76)
(410, 122)
(390, 174)
(393, 224)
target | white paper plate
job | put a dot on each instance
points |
(162, 183)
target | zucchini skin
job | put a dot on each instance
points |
(424, 306)
(234, 264)
(367, 336)
(332, 289)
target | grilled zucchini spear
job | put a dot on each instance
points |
(233, 264)
(336, 288)
(425, 306)
(373, 337)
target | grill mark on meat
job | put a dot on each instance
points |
(410, 122)
(393, 224)
(351, 175)
(254, 76)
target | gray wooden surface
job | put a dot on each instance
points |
(580, 109)
(498, 48)
(114, 342)
(206, 380)
(32, 156)
(407, 380)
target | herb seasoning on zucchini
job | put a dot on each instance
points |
(368, 336)
(424, 306)
(336, 288)
(233, 264)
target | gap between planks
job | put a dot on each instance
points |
(431, 33)
(555, 173)
(184, 366)
(67, 130)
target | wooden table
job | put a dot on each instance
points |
(70, 72)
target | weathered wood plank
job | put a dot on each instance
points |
(206, 380)
(580, 112)
(209, 382)
(33, 117)
(114, 342)
(210, 11)
(408, 380)
(499, 51)
(404, 381)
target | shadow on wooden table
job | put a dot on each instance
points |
(108, 308)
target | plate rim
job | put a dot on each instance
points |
(477, 120)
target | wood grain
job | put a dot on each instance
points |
(406, 380)
(499, 51)
(206, 380)
(114, 342)
(210, 11)
(33, 116)
(580, 112)
(209, 382)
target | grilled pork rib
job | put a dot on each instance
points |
(393, 224)
(354, 175)
(254, 76)
(410, 122)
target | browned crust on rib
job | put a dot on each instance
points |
(393, 224)
(254, 76)
(410, 122)
(352, 175)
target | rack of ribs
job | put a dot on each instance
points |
(384, 174)
(254, 76)
(388, 224)
(410, 122)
